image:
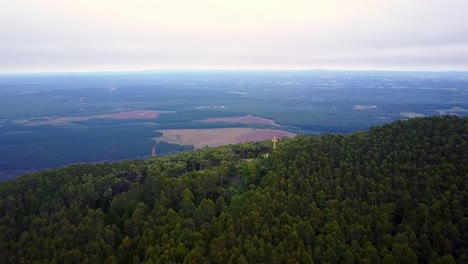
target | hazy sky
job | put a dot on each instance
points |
(95, 35)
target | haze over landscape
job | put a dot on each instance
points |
(234, 131)
(64, 36)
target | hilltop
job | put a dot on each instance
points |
(395, 194)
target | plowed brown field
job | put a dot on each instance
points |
(239, 119)
(219, 136)
(140, 114)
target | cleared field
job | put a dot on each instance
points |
(364, 107)
(140, 114)
(219, 136)
(412, 114)
(136, 115)
(248, 119)
(263, 134)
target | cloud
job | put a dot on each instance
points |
(102, 35)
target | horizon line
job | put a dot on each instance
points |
(222, 70)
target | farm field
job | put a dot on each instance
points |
(139, 114)
(200, 138)
(248, 119)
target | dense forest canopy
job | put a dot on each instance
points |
(395, 194)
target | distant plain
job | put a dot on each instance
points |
(49, 120)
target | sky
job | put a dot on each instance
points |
(117, 35)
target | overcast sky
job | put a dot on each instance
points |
(109, 35)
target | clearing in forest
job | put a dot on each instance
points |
(200, 138)
(139, 114)
(248, 119)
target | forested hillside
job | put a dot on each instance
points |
(395, 194)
